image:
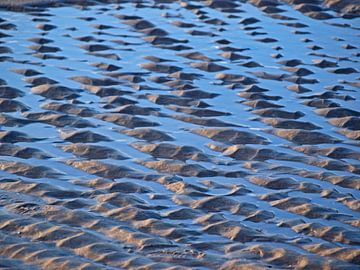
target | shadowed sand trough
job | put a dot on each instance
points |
(179, 134)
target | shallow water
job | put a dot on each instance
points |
(234, 203)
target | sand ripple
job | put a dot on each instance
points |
(173, 134)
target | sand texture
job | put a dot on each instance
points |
(173, 134)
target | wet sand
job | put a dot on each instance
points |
(179, 134)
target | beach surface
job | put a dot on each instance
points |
(175, 134)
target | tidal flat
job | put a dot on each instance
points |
(173, 134)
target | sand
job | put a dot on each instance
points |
(175, 134)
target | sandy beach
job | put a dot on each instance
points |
(174, 134)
